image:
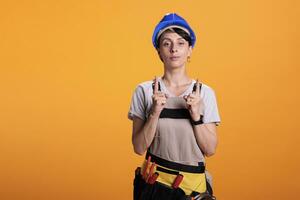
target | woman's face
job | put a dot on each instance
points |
(173, 50)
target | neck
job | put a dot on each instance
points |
(176, 77)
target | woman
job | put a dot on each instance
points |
(174, 121)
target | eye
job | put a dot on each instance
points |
(166, 44)
(181, 43)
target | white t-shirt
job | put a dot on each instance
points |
(141, 101)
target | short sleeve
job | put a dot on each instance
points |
(137, 105)
(211, 112)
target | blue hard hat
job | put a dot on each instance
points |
(172, 20)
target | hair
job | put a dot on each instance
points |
(180, 32)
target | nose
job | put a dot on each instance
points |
(173, 48)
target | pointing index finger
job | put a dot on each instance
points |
(197, 88)
(155, 85)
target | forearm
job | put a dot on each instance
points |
(143, 138)
(206, 139)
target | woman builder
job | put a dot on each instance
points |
(174, 121)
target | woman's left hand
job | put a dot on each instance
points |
(194, 102)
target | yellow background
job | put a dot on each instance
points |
(68, 70)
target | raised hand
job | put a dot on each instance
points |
(193, 102)
(159, 99)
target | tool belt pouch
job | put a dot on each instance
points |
(155, 191)
(138, 184)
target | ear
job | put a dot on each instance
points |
(190, 50)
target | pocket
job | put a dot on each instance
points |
(138, 184)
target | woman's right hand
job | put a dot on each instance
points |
(159, 99)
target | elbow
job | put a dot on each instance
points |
(211, 149)
(210, 152)
(138, 150)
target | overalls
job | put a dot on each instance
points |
(174, 167)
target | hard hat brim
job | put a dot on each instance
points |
(162, 26)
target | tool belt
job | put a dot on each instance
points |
(162, 179)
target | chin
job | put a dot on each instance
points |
(175, 65)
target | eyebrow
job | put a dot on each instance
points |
(166, 38)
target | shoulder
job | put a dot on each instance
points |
(145, 84)
(207, 94)
(207, 89)
(144, 87)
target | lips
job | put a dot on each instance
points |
(174, 57)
